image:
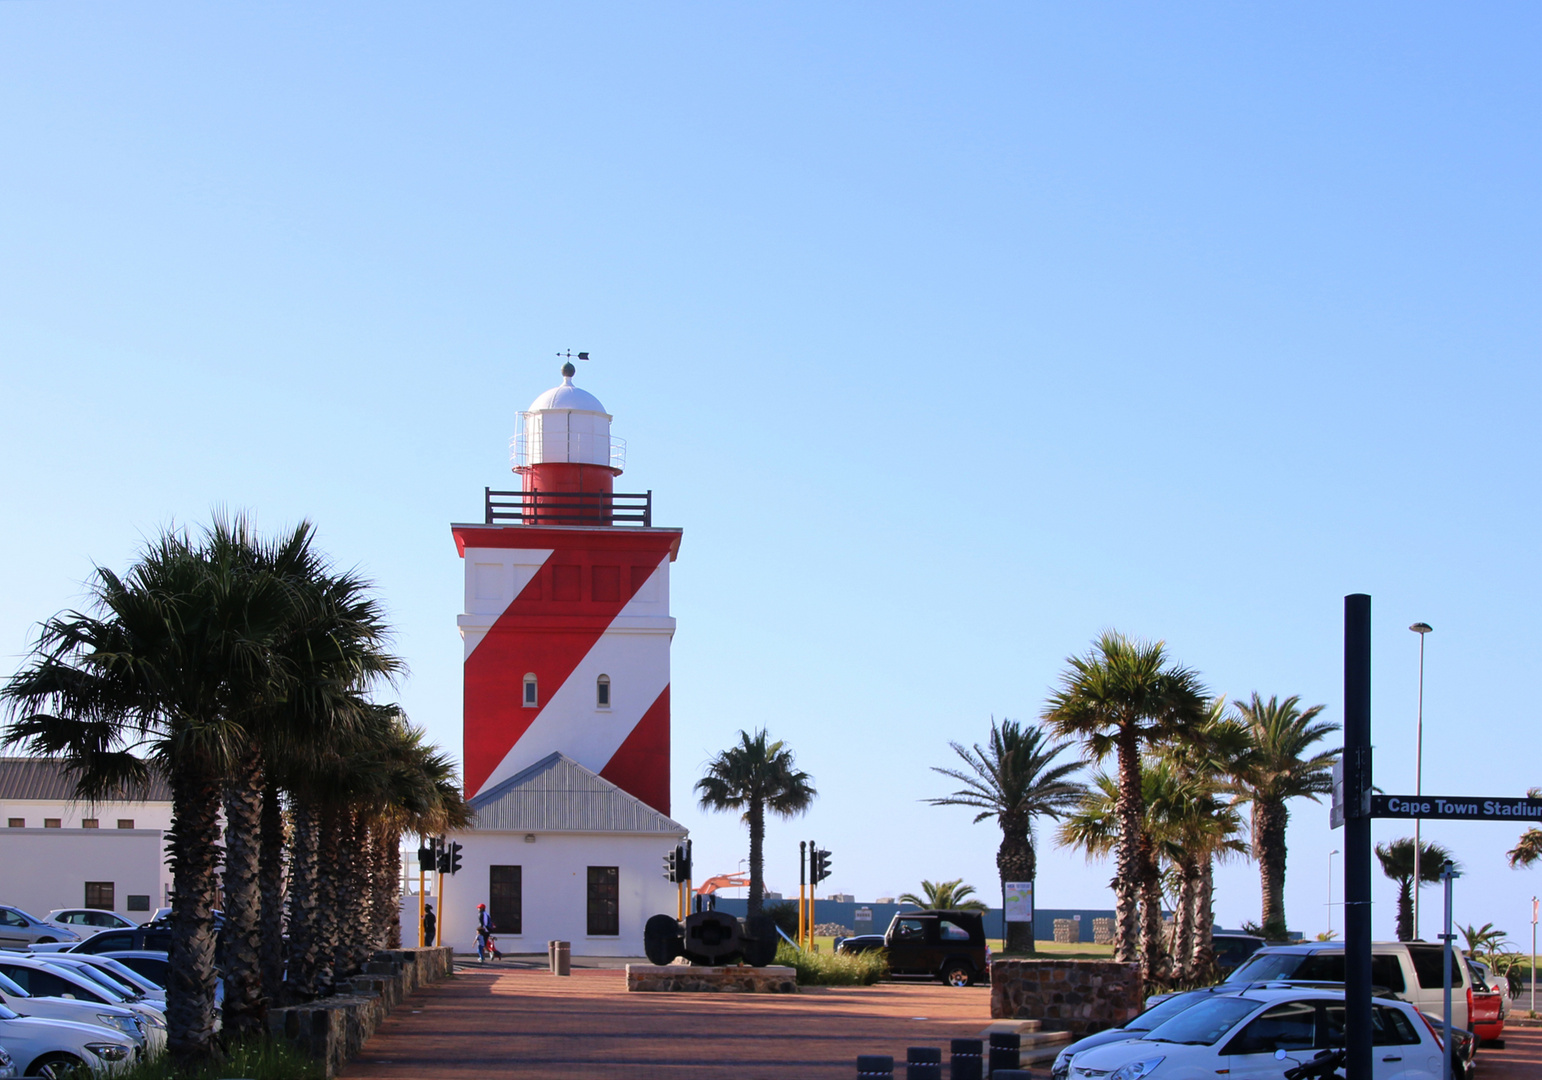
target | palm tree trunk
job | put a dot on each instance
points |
(1016, 861)
(1153, 957)
(757, 816)
(305, 903)
(195, 851)
(1269, 820)
(271, 859)
(245, 1008)
(1202, 958)
(1405, 908)
(1182, 947)
(1127, 861)
(390, 887)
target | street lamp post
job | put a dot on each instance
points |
(1332, 853)
(1420, 628)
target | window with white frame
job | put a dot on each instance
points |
(602, 692)
(531, 698)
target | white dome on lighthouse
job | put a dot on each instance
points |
(568, 425)
(567, 398)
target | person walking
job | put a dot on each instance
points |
(430, 924)
(486, 945)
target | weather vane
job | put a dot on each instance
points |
(570, 354)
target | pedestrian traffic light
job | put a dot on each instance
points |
(454, 858)
(426, 858)
(672, 865)
(821, 866)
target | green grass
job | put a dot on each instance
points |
(260, 1059)
(826, 968)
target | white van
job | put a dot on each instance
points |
(1410, 969)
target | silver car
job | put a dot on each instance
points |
(19, 930)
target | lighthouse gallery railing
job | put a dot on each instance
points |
(569, 508)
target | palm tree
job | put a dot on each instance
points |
(755, 776)
(1397, 862)
(1528, 849)
(1272, 770)
(944, 896)
(173, 654)
(1014, 779)
(1120, 696)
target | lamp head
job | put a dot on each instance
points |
(1421, 628)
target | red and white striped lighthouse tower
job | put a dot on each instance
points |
(566, 625)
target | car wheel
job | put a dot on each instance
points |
(46, 940)
(56, 1066)
(958, 974)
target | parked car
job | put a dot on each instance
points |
(156, 967)
(120, 1021)
(87, 921)
(44, 979)
(151, 937)
(19, 930)
(151, 991)
(1157, 1014)
(1261, 1033)
(53, 1049)
(1489, 1004)
(1410, 969)
(1231, 948)
(946, 945)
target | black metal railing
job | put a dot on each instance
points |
(569, 508)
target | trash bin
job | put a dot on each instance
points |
(562, 958)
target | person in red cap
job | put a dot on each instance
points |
(485, 942)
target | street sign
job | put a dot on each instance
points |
(1456, 808)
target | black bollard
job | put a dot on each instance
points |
(1005, 1049)
(1012, 1074)
(876, 1066)
(965, 1060)
(923, 1063)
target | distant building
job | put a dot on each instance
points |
(61, 852)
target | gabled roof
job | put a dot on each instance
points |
(46, 780)
(557, 794)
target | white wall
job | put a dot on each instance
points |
(555, 889)
(147, 817)
(49, 868)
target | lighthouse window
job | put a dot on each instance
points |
(530, 695)
(602, 692)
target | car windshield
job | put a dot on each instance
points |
(8, 1014)
(101, 978)
(10, 989)
(1266, 967)
(1205, 1023)
(1164, 1011)
(26, 914)
(127, 975)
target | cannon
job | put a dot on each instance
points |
(711, 938)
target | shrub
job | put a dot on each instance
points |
(834, 969)
(785, 913)
(259, 1059)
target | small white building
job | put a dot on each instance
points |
(61, 852)
(559, 853)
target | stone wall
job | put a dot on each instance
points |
(1079, 996)
(683, 978)
(332, 1030)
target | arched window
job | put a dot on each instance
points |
(530, 695)
(602, 692)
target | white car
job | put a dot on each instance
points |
(120, 1021)
(87, 921)
(152, 991)
(1258, 1034)
(52, 1048)
(42, 978)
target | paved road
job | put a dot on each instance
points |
(507, 1022)
(1521, 1059)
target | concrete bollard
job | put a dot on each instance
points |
(923, 1063)
(562, 960)
(551, 957)
(1006, 1047)
(874, 1066)
(965, 1060)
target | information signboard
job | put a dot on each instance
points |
(1456, 807)
(1019, 901)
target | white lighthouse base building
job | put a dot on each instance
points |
(557, 852)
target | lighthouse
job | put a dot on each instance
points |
(566, 632)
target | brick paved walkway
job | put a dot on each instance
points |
(521, 1023)
(1521, 1059)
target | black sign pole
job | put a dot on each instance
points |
(1357, 835)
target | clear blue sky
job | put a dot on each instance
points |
(951, 335)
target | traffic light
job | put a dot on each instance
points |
(672, 865)
(821, 866)
(454, 858)
(444, 861)
(426, 858)
(683, 863)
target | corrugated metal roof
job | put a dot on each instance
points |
(46, 780)
(557, 794)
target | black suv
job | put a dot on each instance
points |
(946, 945)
